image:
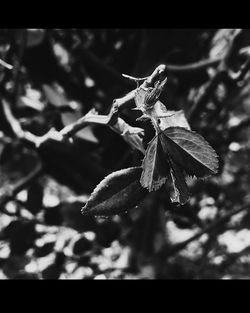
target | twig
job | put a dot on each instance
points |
(179, 246)
(90, 58)
(91, 117)
(16, 69)
(220, 75)
(132, 135)
(197, 107)
(118, 105)
(239, 76)
(193, 67)
(23, 183)
(15, 124)
(6, 65)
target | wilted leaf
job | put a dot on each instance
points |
(145, 98)
(140, 95)
(155, 168)
(117, 193)
(132, 135)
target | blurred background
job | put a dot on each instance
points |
(49, 78)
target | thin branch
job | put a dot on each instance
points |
(198, 105)
(11, 192)
(118, 105)
(180, 246)
(17, 65)
(220, 75)
(239, 76)
(6, 65)
(193, 67)
(133, 135)
(15, 124)
(90, 58)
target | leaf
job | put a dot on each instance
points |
(221, 42)
(87, 134)
(117, 193)
(177, 118)
(132, 135)
(155, 168)
(190, 151)
(177, 151)
(145, 98)
(32, 103)
(140, 95)
(179, 183)
(54, 97)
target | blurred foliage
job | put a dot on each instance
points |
(60, 74)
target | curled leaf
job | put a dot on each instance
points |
(116, 193)
(179, 183)
(155, 167)
(145, 98)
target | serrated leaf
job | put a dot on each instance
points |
(179, 152)
(190, 151)
(155, 168)
(116, 193)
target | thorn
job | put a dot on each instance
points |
(134, 78)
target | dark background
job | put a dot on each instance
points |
(58, 76)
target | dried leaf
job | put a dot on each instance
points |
(132, 135)
(145, 98)
(117, 193)
(140, 95)
(174, 118)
